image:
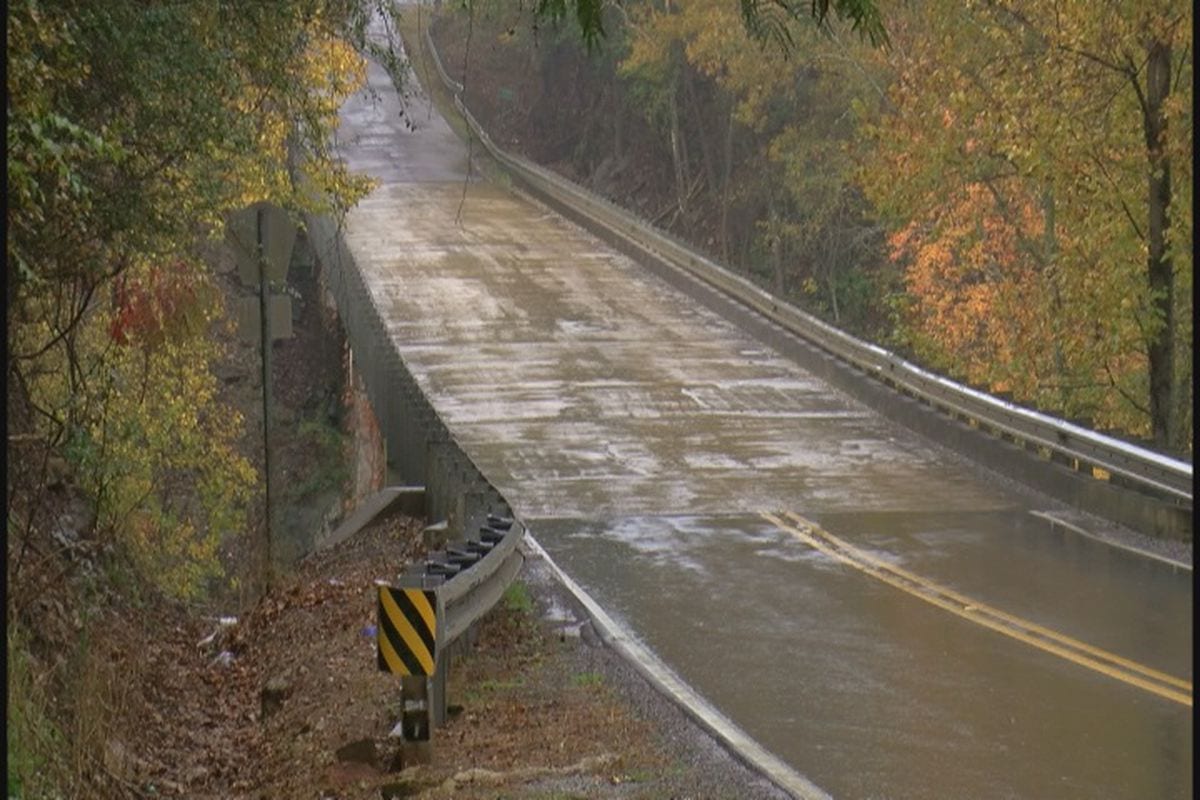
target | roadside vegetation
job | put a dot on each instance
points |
(133, 131)
(1000, 190)
(1003, 192)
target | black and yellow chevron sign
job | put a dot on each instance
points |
(407, 633)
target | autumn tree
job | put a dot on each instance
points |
(133, 129)
(774, 144)
(1034, 162)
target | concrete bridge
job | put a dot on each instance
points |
(886, 617)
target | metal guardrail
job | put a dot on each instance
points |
(471, 573)
(468, 579)
(1145, 470)
(491, 562)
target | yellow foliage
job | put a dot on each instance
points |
(1011, 159)
(152, 445)
(134, 131)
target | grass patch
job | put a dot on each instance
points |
(498, 686)
(518, 599)
(36, 748)
(476, 694)
(639, 776)
(587, 679)
(328, 468)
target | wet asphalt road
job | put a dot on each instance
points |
(643, 438)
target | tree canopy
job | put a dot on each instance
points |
(133, 129)
(1035, 166)
(763, 19)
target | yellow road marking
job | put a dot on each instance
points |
(1033, 627)
(977, 612)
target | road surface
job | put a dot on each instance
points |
(889, 620)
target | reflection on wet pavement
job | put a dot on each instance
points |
(642, 437)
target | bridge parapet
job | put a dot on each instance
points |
(1097, 473)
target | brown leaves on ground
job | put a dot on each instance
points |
(527, 700)
(195, 725)
(527, 717)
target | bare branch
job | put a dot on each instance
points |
(1112, 381)
(1099, 162)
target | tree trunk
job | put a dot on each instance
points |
(706, 158)
(1049, 262)
(833, 260)
(1160, 269)
(678, 157)
(726, 177)
(774, 244)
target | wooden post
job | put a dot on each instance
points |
(265, 336)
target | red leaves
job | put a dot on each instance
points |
(147, 309)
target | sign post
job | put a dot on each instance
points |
(265, 344)
(407, 645)
(259, 264)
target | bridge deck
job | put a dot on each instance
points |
(643, 438)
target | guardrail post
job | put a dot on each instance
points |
(423, 698)
(415, 728)
(437, 694)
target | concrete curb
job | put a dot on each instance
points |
(733, 738)
(409, 499)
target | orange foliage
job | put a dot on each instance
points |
(975, 290)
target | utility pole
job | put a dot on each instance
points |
(265, 337)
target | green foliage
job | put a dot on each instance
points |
(587, 679)
(588, 14)
(383, 47)
(768, 19)
(764, 19)
(151, 445)
(36, 749)
(327, 465)
(518, 599)
(134, 129)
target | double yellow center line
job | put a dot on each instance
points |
(1073, 650)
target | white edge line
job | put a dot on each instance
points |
(667, 682)
(1054, 520)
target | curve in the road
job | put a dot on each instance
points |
(1085, 655)
(640, 434)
